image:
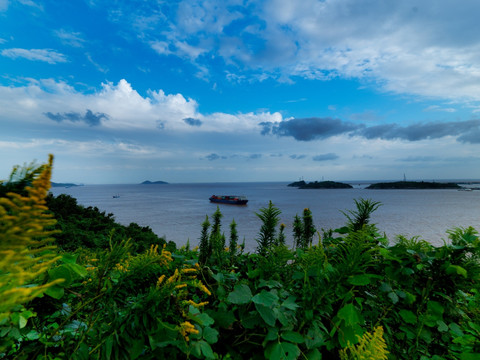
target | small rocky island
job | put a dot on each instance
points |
(320, 185)
(148, 182)
(67, 185)
(414, 185)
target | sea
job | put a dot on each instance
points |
(177, 211)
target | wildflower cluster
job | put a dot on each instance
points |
(25, 243)
(178, 285)
(370, 347)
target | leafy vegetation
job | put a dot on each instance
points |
(343, 294)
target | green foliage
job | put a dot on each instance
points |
(88, 227)
(360, 217)
(351, 296)
(266, 237)
(303, 229)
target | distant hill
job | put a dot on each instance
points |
(64, 184)
(148, 182)
(414, 185)
(320, 185)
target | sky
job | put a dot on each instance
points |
(236, 90)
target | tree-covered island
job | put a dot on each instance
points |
(414, 185)
(148, 182)
(320, 185)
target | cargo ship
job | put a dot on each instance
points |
(229, 199)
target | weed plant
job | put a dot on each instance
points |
(110, 293)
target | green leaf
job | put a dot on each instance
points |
(269, 283)
(55, 291)
(282, 351)
(210, 335)
(267, 314)
(349, 314)
(442, 327)
(408, 316)
(109, 346)
(265, 298)
(455, 269)
(393, 297)
(470, 356)
(69, 258)
(206, 349)
(77, 269)
(359, 280)
(314, 355)
(61, 272)
(241, 294)
(289, 303)
(292, 336)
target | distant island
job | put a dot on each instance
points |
(148, 182)
(67, 185)
(320, 185)
(413, 185)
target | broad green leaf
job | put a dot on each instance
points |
(241, 294)
(408, 316)
(206, 349)
(442, 327)
(267, 314)
(269, 283)
(265, 298)
(61, 272)
(69, 258)
(349, 314)
(289, 303)
(359, 280)
(455, 269)
(471, 356)
(393, 297)
(434, 307)
(314, 355)
(293, 337)
(272, 334)
(77, 269)
(210, 335)
(282, 351)
(55, 291)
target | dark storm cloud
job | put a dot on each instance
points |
(465, 130)
(325, 157)
(90, 118)
(308, 129)
(214, 156)
(298, 157)
(192, 122)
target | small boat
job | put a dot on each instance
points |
(229, 199)
(116, 196)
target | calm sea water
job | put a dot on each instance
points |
(176, 211)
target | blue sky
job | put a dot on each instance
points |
(233, 90)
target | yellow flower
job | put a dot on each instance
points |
(160, 280)
(188, 270)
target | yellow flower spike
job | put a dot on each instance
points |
(160, 280)
(180, 286)
(188, 270)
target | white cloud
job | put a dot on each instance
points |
(47, 55)
(3, 5)
(424, 49)
(124, 107)
(71, 38)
